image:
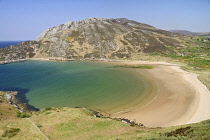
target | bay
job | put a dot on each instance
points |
(93, 85)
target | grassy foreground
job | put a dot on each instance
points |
(79, 123)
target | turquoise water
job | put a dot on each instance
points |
(93, 85)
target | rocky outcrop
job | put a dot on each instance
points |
(97, 38)
(10, 97)
(21, 51)
(13, 99)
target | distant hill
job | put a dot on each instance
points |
(99, 38)
(185, 32)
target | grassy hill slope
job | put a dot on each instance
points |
(79, 123)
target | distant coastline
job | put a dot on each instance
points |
(8, 43)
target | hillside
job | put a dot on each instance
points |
(100, 38)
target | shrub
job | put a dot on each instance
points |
(180, 132)
(22, 115)
(48, 108)
(39, 125)
(135, 66)
(132, 124)
(10, 132)
(18, 114)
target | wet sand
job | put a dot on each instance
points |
(180, 99)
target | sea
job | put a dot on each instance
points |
(8, 43)
(94, 85)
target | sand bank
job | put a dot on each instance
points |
(181, 98)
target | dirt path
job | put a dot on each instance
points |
(38, 129)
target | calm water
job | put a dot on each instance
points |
(7, 43)
(92, 85)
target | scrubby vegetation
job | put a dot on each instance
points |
(203, 40)
(69, 39)
(196, 56)
(135, 66)
(10, 132)
(198, 131)
(195, 62)
(48, 108)
(22, 115)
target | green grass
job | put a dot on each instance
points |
(195, 55)
(196, 62)
(203, 39)
(135, 66)
(12, 127)
(194, 131)
(199, 63)
(203, 74)
(77, 123)
(22, 115)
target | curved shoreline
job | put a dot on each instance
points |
(140, 101)
(202, 97)
(183, 99)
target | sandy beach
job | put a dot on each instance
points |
(181, 98)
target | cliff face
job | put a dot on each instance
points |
(98, 38)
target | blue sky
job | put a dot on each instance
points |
(26, 19)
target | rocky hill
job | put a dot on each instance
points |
(99, 38)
